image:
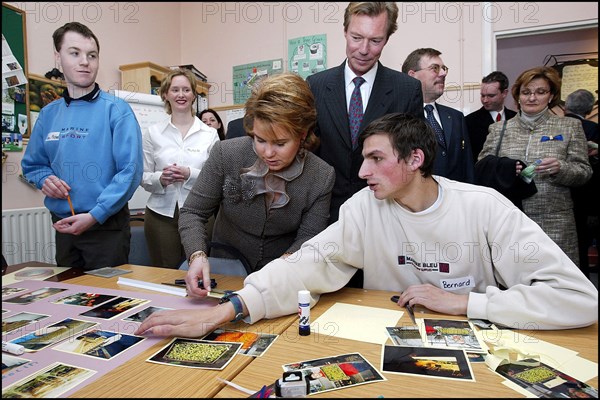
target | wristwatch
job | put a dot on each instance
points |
(237, 305)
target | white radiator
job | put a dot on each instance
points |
(27, 235)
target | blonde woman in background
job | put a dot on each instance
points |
(174, 152)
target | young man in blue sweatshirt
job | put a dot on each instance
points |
(85, 154)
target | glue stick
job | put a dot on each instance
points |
(304, 312)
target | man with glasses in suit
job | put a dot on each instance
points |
(454, 158)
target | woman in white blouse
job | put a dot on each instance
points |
(174, 152)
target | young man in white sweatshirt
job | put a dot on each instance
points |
(452, 247)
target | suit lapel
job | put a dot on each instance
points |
(379, 101)
(335, 100)
(487, 116)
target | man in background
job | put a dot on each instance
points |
(494, 89)
(235, 129)
(85, 154)
(454, 159)
(378, 91)
(578, 105)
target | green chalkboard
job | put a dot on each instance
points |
(14, 32)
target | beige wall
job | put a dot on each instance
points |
(216, 36)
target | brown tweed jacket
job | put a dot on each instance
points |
(242, 220)
(551, 207)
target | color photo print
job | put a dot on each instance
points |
(100, 344)
(544, 381)
(14, 322)
(448, 333)
(114, 308)
(140, 316)
(53, 334)
(194, 353)
(50, 382)
(337, 372)
(84, 299)
(427, 362)
(34, 296)
(253, 344)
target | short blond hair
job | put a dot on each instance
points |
(165, 85)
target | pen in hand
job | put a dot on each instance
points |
(70, 205)
(213, 283)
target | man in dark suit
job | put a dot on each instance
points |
(453, 158)
(494, 89)
(235, 128)
(578, 105)
(367, 28)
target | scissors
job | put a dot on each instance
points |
(409, 308)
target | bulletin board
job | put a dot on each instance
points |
(247, 75)
(15, 101)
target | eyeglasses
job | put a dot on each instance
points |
(537, 92)
(436, 68)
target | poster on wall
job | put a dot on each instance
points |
(307, 55)
(247, 75)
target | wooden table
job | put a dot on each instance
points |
(138, 378)
(266, 369)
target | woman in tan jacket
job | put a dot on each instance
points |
(558, 148)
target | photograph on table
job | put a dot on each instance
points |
(336, 372)
(7, 291)
(84, 299)
(456, 334)
(50, 382)
(405, 336)
(34, 296)
(427, 362)
(9, 363)
(253, 344)
(544, 381)
(14, 322)
(114, 308)
(193, 353)
(53, 334)
(140, 316)
(99, 344)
